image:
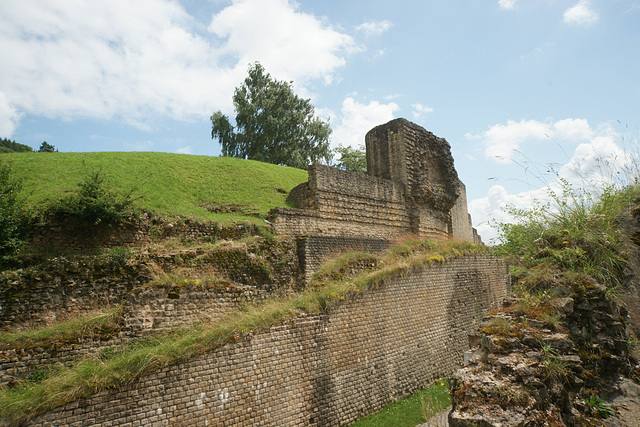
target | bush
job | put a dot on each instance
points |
(578, 231)
(94, 202)
(11, 215)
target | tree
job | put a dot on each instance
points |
(272, 124)
(9, 146)
(352, 159)
(46, 148)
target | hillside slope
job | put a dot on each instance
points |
(203, 187)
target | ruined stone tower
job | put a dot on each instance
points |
(411, 187)
(406, 153)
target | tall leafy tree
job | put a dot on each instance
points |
(272, 124)
(352, 159)
(45, 147)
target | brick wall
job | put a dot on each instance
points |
(147, 310)
(162, 309)
(341, 203)
(62, 288)
(322, 370)
(313, 251)
(412, 187)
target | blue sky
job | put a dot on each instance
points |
(517, 87)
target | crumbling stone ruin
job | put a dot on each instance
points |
(411, 187)
(319, 368)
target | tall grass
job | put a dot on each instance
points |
(577, 230)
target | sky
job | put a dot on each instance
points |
(527, 92)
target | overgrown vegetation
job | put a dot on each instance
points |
(91, 375)
(578, 232)
(101, 324)
(571, 250)
(11, 214)
(9, 146)
(95, 202)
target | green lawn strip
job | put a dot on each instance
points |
(411, 411)
(168, 184)
(93, 374)
(94, 324)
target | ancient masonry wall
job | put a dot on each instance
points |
(147, 310)
(461, 220)
(340, 203)
(319, 370)
(313, 251)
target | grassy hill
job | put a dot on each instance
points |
(168, 184)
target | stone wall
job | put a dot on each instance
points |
(64, 287)
(461, 220)
(323, 369)
(340, 203)
(161, 309)
(147, 310)
(313, 251)
(75, 237)
(412, 187)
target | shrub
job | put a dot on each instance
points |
(578, 231)
(94, 202)
(11, 215)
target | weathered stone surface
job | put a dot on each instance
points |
(545, 375)
(412, 187)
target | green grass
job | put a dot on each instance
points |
(91, 375)
(169, 184)
(94, 324)
(411, 411)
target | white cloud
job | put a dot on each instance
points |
(9, 117)
(358, 119)
(581, 14)
(420, 110)
(290, 44)
(573, 129)
(146, 60)
(374, 28)
(488, 211)
(593, 165)
(507, 4)
(502, 141)
(185, 150)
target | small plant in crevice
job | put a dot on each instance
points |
(119, 255)
(555, 369)
(599, 408)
